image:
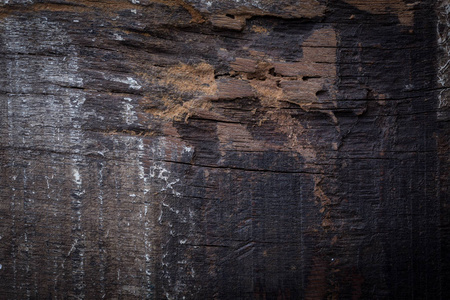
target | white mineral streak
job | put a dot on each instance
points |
(158, 170)
(6, 2)
(40, 106)
(129, 114)
(76, 176)
(146, 218)
(187, 149)
(249, 3)
(175, 216)
(118, 37)
(137, 152)
(45, 112)
(443, 34)
(102, 228)
(132, 83)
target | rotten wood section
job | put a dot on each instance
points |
(262, 149)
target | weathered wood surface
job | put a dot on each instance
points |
(252, 149)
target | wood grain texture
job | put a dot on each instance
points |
(252, 149)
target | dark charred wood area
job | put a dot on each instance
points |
(252, 149)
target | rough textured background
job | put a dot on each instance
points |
(246, 149)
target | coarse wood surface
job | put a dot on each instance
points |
(233, 149)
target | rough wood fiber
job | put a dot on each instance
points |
(253, 149)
